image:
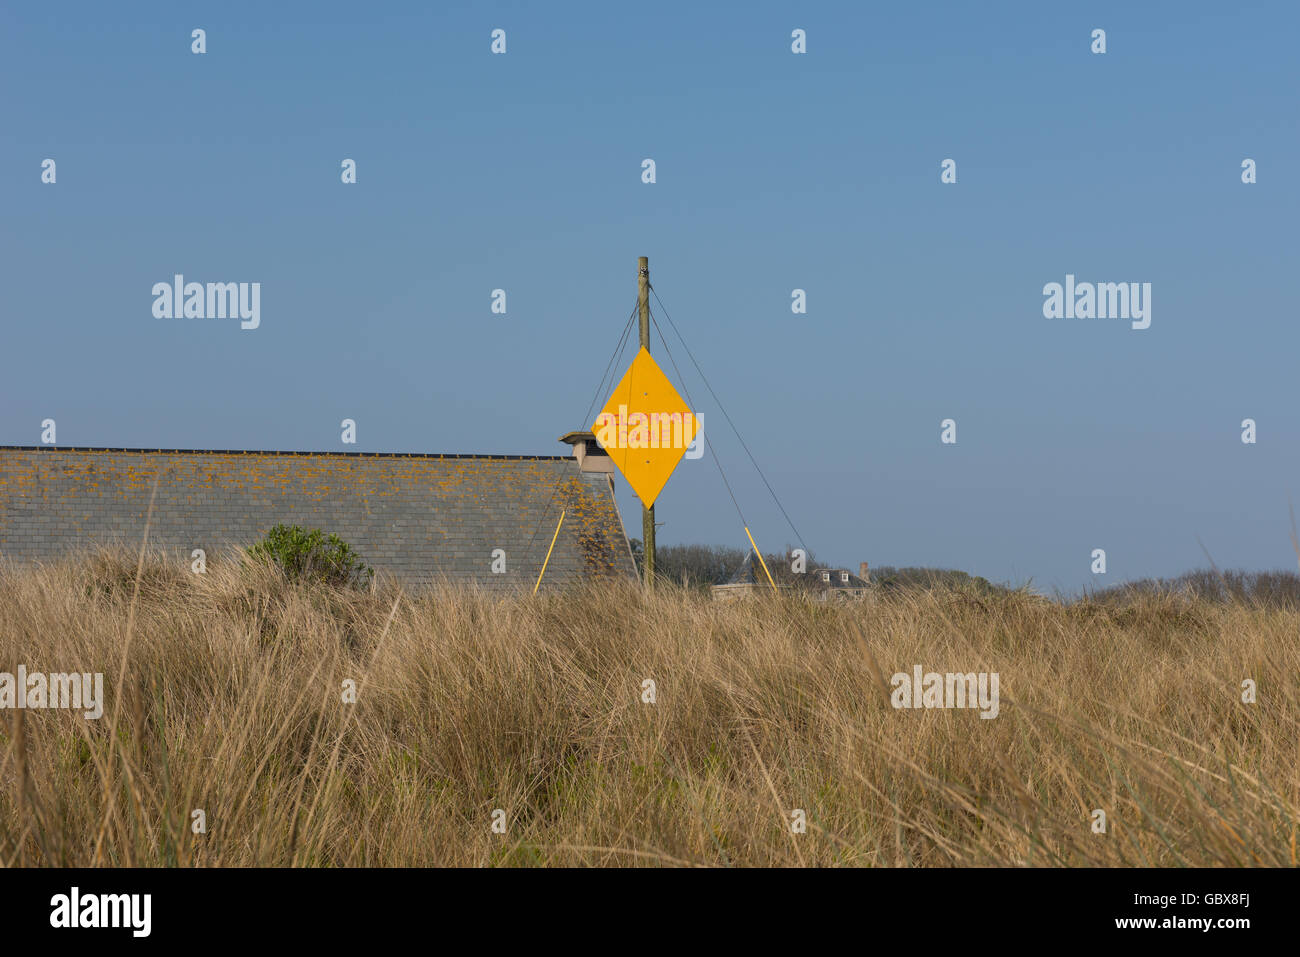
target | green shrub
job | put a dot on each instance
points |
(311, 555)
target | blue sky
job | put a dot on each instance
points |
(775, 171)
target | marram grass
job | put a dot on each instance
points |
(225, 694)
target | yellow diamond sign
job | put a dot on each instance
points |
(645, 427)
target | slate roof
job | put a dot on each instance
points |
(836, 580)
(749, 572)
(417, 517)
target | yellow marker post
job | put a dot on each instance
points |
(760, 559)
(548, 552)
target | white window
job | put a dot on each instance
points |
(844, 577)
(826, 576)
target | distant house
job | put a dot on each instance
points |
(746, 579)
(821, 584)
(829, 584)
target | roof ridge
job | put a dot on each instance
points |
(379, 455)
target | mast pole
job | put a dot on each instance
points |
(647, 514)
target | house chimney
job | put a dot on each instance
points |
(591, 457)
(864, 572)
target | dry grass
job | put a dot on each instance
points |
(231, 702)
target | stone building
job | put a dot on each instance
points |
(832, 583)
(821, 584)
(419, 518)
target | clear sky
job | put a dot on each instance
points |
(775, 171)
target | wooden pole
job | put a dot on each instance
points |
(647, 514)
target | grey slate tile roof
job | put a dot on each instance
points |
(419, 518)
